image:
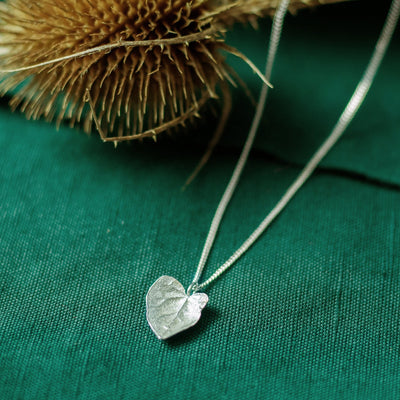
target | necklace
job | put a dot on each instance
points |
(170, 308)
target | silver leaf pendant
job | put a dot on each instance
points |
(170, 310)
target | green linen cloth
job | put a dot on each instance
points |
(310, 312)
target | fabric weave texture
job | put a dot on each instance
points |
(311, 311)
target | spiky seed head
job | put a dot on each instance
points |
(126, 90)
(133, 89)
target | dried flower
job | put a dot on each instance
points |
(133, 67)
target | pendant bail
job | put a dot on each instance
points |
(192, 289)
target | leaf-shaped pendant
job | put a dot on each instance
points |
(170, 310)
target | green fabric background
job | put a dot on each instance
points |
(310, 312)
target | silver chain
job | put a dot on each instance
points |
(343, 122)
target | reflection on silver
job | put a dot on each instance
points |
(170, 310)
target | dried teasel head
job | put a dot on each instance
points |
(132, 67)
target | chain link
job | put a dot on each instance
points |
(342, 124)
